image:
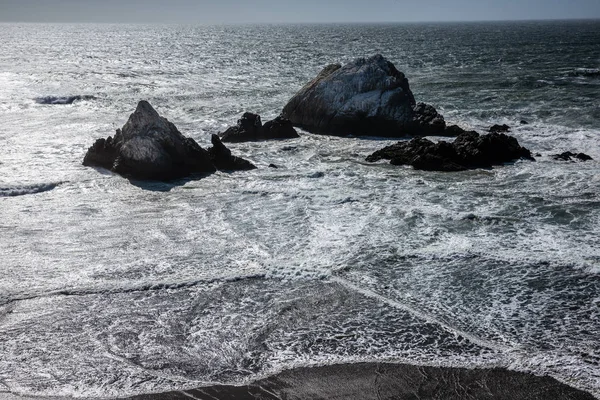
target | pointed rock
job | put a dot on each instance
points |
(223, 160)
(150, 147)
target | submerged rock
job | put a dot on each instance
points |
(568, 156)
(150, 147)
(62, 99)
(469, 150)
(365, 97)
(250, 128)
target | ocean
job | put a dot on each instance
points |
(114, 288)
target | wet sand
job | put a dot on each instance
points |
(371, 381)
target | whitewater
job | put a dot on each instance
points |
(111, 287)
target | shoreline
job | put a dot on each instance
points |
(378, 381)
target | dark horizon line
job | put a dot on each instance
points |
(306, 23)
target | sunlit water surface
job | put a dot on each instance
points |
(111, 288)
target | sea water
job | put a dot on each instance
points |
(112, 288)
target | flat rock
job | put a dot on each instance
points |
(469, 150)
(368, 96)
(150, 147)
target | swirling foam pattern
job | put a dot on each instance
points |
(111, 288)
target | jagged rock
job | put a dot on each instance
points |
(250, 128)
(365, 97)
(223, 160)
(149, 147)
(499, 128)
(469, 150)
(568, 156)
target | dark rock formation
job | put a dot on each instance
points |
(250, 128)
(247, 129)
(279, 128)
(427, 121)
(150, 147)
(499, 128)
(223, 160)
(365, 97)
(62, 99)
(523, 122)
(453, 130)
(568, 156)
(379, 381)
(469, 150)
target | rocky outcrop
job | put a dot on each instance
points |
(469, 150)
(568, 156)
(250, 128)
(365, 97)
(150, 147)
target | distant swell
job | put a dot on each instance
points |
(27, 189)
(62, 99)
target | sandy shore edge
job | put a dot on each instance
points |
(378, 381)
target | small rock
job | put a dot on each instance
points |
(499, 128)
(279, 128)
(223, 160)
(568, 156)
(250, 128)
(453, 130)
(273, 166)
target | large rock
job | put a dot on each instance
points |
(250, 128)
(365, 97)
(150, 147)
(469, 150)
